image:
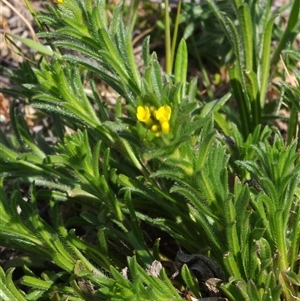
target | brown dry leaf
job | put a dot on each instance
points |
(155, 268)
(211, 284)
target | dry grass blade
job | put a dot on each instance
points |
(22, 18)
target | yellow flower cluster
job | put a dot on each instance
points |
(156, 120)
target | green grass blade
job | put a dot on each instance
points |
(6, 294)
(241, 100)
(181, 63)
(252, 89)
(11, 286)
(244, 16)
(295, 239)
(33, 45)
(292, 22)
(188, 279)
(168, 67)
(263, 69)
(175, 33)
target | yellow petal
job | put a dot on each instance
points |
(165, 127)
(163, 114)
(143, 113)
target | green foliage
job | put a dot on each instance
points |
(152, 284)
(96, 213)
(251, 45)
(290, 95)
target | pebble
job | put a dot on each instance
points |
(2, 118)
(5, 13)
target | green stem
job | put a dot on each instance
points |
(280, 241)
(167, 39)
(175, 33)
(32, 11)
(133, 13)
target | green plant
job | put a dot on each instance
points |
(250, 31)
(290, 95)
(131, 180)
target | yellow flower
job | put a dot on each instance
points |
(60, 1)
(143, 115)
(157, 121)
(163, 114)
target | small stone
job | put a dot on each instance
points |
(2, 118)
(5, 12)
